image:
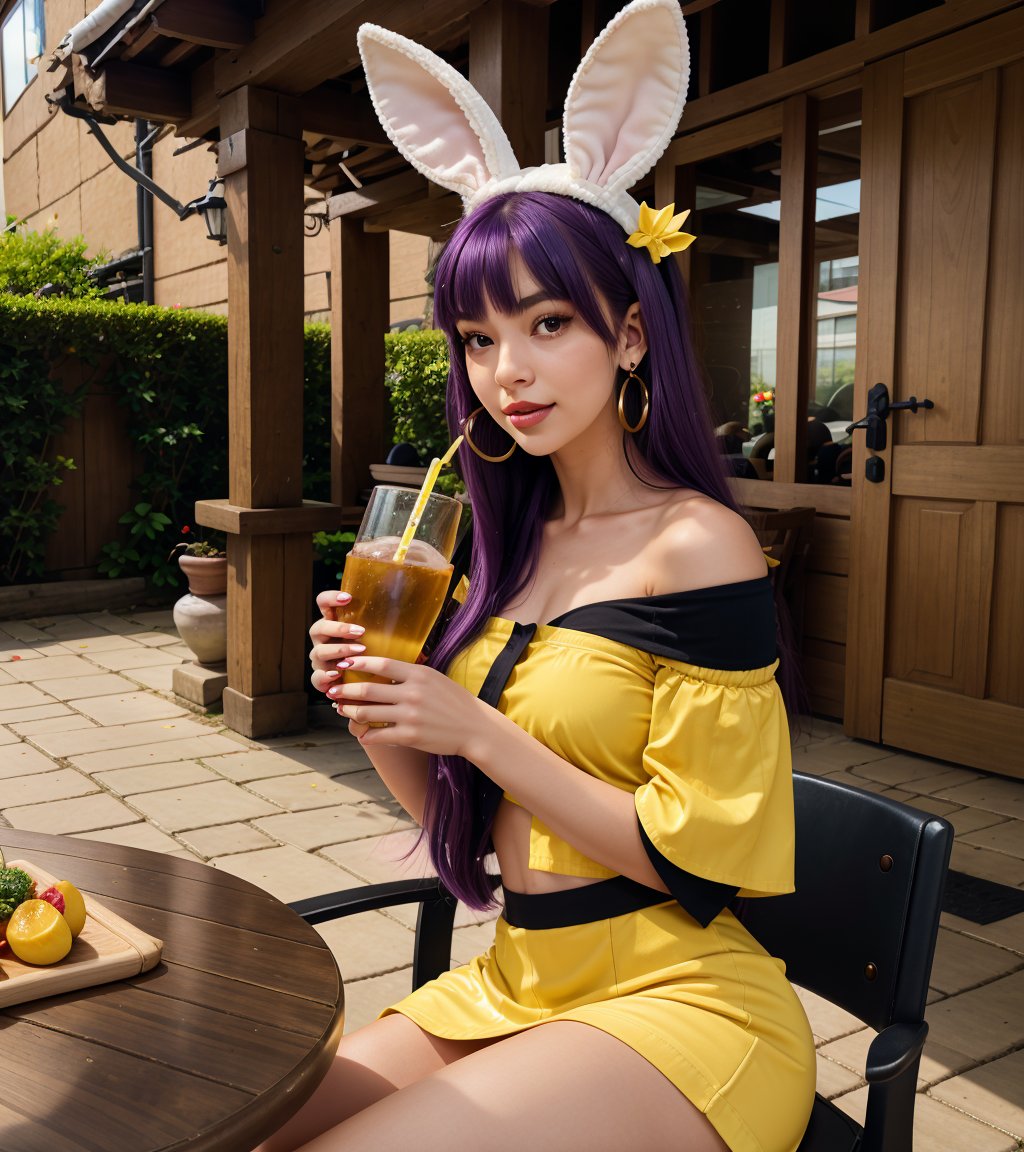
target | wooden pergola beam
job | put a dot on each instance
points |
(134, 90)
(293, 56)
(341, 115)
(215, 23)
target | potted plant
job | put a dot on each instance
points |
(201, 615)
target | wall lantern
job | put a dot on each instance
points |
(213, 208)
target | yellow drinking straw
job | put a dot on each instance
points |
(421, 500)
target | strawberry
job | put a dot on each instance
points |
(55, 897)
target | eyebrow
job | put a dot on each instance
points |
(523, 305)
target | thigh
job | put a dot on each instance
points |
(371, 1063)
(562, 1085)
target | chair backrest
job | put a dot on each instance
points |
(861, 927)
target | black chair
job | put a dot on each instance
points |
(860, 930)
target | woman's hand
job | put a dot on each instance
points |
(421, 707)
(333, 641)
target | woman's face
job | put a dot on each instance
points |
(542, 374)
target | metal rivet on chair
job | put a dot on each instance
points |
(886, 863)
(870, 971)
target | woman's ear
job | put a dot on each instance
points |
(632, 338)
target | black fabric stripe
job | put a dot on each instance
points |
(730, 627)
(487, 794)
(600, 901)
(702, 898)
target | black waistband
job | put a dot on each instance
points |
(600, 901)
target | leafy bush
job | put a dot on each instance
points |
(416, 372)
(30, 261)
(168, 368)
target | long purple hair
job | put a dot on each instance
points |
(577, 253)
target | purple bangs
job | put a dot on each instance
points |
(579, 254)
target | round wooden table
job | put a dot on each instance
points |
(214, 1048)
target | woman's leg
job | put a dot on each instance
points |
(370, 1064)
(562, 1085)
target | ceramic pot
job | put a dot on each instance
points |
(201, 615)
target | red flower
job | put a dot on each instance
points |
(185, 530)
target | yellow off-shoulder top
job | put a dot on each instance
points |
(673, 698)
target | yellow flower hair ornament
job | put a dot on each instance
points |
(658, 232)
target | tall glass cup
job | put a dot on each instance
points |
(397, 602)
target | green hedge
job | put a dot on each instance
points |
(168, 367)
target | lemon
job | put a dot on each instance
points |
(74, 906)
(38, 933)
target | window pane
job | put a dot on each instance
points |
(837, 222)
(22, 37)
(734, 284)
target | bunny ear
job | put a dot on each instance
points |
(628, 93)
(433, 115)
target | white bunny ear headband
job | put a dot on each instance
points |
(621, 111)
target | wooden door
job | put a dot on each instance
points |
(936, 620)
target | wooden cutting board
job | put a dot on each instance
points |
(107, 948)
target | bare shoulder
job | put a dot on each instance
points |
(702, 544)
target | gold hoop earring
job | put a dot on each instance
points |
(645, 397)
(467, 428)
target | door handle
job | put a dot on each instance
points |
(879, 407)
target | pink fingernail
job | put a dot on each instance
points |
(344, 664)
(344, 597)
(332, 675)
(333, 691)
(356, 629)
(358, 647)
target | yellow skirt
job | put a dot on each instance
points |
(708, 1007)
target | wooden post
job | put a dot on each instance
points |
(360, 290)
(269, 546)
(508, 66)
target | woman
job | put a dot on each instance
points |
(601, 712)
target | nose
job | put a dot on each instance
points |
(513, 365)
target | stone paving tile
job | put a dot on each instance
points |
(69, 627)
(52, 668)
(336, 758)
(111, 623)
(14, 697)
(1008, 933)
(945, 777)
(991, 793)
(252, 765)
(991, 1092)
(367, 943)
(982, 1023)
(138, 657)
(834, 1079)
(962, 962)
(13, 652)
(195, 747)
(8, 737)
(68, 721)
(1007, 837)
(131, 708)
(304, 790)
(286, 873)
(121, 736)
(5, 679)
(140, 835)
(365, 999)
(154, 777)
(200, 806)
(224, 840)
(965, 820)
(988, 865)
(938, 1127)
(937, 1062)
(156, 639)
(837, 756)
(23, 630)
(160, 678)
(156, 618)
(897, 770)
(58, 784)
(326, 826)
(73, 687)
(22, 760)
(40, 712)
(861, 782)
(100, 642)
(71, 817)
